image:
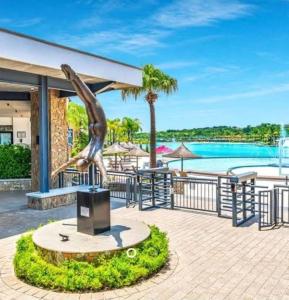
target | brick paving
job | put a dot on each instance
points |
(209, 260)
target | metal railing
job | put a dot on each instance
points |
(195, 193)
(274, 207)
(122, 185)
(72, 177)
(234, 197)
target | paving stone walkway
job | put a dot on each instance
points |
(16, 218)
(209, 260)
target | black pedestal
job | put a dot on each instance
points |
(93, 211)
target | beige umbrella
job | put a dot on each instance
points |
(137, 152)
(115, 149)
(124, 145)
(128, 145)
(182, 152)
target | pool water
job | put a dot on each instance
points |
(228, 149)
(219, 157)
(221, 164)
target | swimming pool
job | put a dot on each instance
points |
(219, 157)
(221, 164)
(228, 149)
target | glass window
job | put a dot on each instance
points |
(5, 138)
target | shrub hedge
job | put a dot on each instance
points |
(15, 161)
(105, 272)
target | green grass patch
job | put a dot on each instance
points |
(105, 272)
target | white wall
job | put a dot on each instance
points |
(22, 124)
(5, 121)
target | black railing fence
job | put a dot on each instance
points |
(72, 177)
(235, 197)
(195, 193)
(274, 207)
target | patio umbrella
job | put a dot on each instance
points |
(124, 145)
(182, 152)
(115, 149)
(137, 152)
(163, 149)
(130, 145)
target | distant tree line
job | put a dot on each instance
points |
(264, 133)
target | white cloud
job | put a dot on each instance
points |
(277, 89)
(124, 41)
(188, 13)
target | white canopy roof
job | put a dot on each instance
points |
(20, 52)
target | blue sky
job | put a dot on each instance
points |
(230, 57)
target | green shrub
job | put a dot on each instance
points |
(105, 272)
(15, 161)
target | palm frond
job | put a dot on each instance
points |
(154, 80)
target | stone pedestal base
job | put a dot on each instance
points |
(124, 234)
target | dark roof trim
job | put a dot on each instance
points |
(14, 96)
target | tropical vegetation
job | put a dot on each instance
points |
(78, 122)
(129, 129)
(15, 161)
(122, 130)
(154, 81)
(118, 130)
(264, 133)
(105, 272)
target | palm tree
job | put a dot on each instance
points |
(154, 82)
(76, 117)
(114, 130)
(131, 126)
(78, 122)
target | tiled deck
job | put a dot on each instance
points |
(209, 260)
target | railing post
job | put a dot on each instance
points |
(260, 210)
(153, 190)
(234, 204)
(253, 182)
(140, 195)
(134, 189)
(275, 206)
(218, 196)
(172, 192)
(244, 206)
(127, 191)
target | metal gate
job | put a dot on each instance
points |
(236, 197)
(155, 189)
(274, 207)
(195, 193)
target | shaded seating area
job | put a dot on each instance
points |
(124, 157)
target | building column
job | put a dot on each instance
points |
(43, 136)
(34, 141)
(59, 152)
(58, 148)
